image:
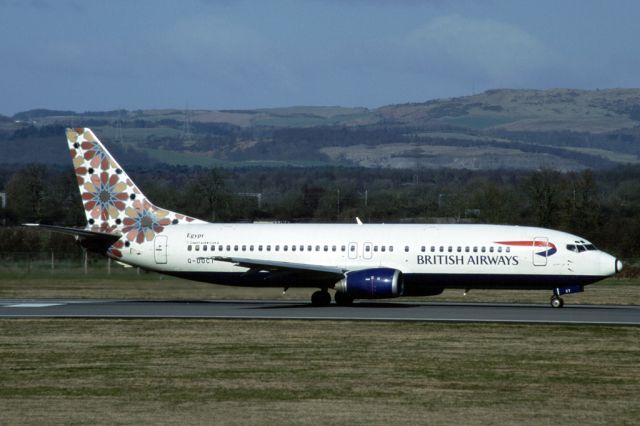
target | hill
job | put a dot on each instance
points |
(561, 129)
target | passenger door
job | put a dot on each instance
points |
(160, 249)
(540, 251)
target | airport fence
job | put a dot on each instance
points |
(55, 261)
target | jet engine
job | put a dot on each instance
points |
(378, 283)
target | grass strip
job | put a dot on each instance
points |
(295, 372)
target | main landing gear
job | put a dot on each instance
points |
(342, 299)
(321, 298)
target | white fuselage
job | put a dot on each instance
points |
(464, 256)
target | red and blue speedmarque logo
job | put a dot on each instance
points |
(550, 248)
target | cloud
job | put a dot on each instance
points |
(499, 53)
(214, 44)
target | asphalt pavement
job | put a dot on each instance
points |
(302, 310)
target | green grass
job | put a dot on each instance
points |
(294, 372)
(38, 281)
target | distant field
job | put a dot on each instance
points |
(480, 121)
(323, 372)
(200, 159)
(127, 284)
(618, 157)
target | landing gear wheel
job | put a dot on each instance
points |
(321, 298)
(342, 299)
(557, 302)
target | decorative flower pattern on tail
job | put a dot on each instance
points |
(112, 202)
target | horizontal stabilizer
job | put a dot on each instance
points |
(96, 241)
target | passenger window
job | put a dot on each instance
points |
(285, 248)
(441, 249)
(244, 248)
(189, 247)
(382, 248)
(268, 247)
(499, 249)
(213, 248)
(235, 248)
(228, 247)
(204, 248)
(508, 250)
(367, 249)
(293, 248)
(343, 248)
(220, 248)
(466, 249)
(475, 249)
(459, 249)
(450, 249)
(277, 247)
(333, 248)
(301, 248)
(317, 248)
(406, 249)
(352, 248)
(309, 248)
(483, 249)
(390, 248)
(423, 249)
(491, 249)
(433, 249)
(375, 248)
(251, 248)
(197, 248)
(260, 248)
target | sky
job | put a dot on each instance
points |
(88, 55)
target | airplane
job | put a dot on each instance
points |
(356, 261)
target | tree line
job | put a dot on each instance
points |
(601, 206)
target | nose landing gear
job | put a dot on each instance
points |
(556, 300)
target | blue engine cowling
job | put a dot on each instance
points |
(378, 283)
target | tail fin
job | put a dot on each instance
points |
(112, 202)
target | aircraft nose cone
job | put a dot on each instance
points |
(609, 265)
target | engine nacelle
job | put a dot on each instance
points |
(378, 283)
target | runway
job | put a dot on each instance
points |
(302, 310)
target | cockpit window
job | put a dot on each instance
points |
(580, 247)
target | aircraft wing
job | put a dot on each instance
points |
(275, 266)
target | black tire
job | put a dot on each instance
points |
(557, 302)
(321, 298)
(342, 299)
